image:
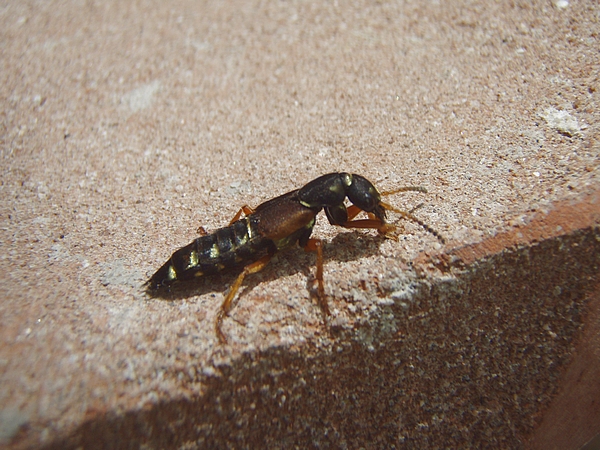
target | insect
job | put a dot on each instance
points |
(248, 243)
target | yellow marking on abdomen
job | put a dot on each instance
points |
(249, 229)
(193, 260)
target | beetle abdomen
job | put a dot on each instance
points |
(224, 249)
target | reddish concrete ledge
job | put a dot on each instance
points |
(572, 419)
(500, 351)
(564, 218)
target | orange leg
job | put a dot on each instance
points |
(372, 222)
(387, 228)
(245, 209)
(256, 266)
(316, 245)
(353, 211)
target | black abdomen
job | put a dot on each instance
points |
(226, 248)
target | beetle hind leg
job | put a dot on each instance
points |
(227, 304)
(316, 245)
(244, 209)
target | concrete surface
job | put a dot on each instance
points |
(126, 125)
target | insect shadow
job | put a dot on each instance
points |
(345, 247)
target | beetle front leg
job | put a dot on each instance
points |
(372, 222)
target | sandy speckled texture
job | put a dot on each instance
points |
(126, 125)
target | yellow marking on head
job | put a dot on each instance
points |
(171, 274)
(336, 188)
(347, 179)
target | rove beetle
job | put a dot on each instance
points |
(249, 243)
